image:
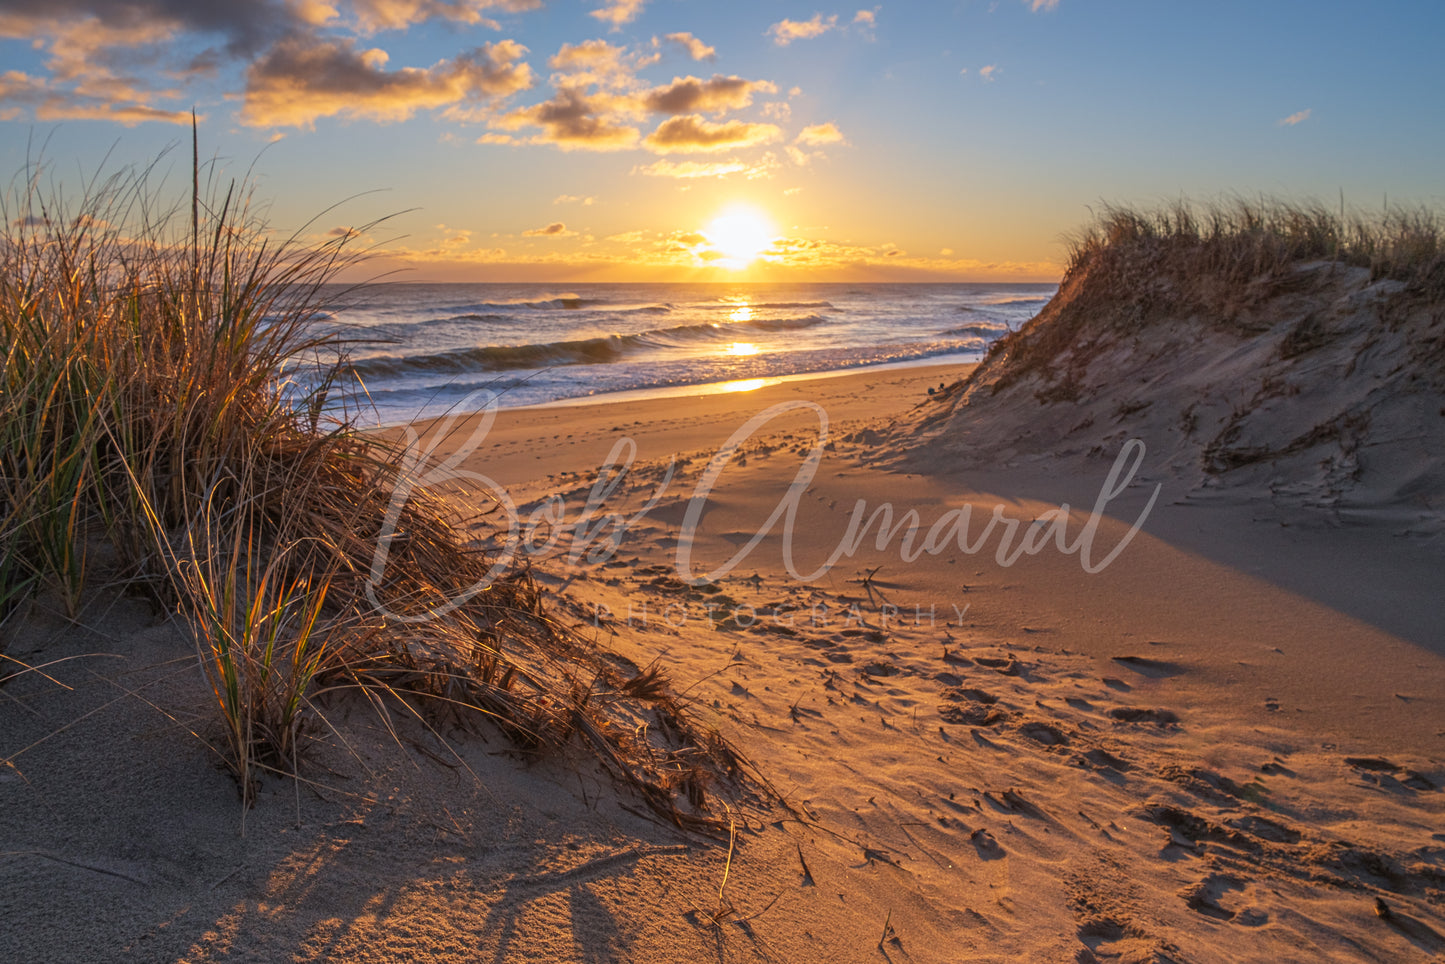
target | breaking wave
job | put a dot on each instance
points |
(600, 350)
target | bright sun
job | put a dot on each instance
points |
(739, 235)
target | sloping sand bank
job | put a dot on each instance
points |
(1226, 744)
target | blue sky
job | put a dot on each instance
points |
(603, 140)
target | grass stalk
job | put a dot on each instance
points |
(165, 389)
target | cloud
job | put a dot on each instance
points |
(692, 170)
(1298, 117)
(554, 230)
(303, 78)
(687, 94)
(95, 60)
(376, 15)
(987, 72)
(314, 12)
(598, 62)
(50, 102)
(817, 134)
(590, 55)
(691, 134)
(573, 120)
(695, 48)
(579, 117)
(456, 237)
(785, 32)
(573, 199)
(123, 59)
(245, 26)
(865, 21)
(619, 12)
(1037, 5)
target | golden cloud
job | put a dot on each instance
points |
(695, 48)
(377, 15)
(817, 134)
(785, 32)
(554, 230)
(303, 78)
(588, 55)
(573, 120)
(690, 170)
(91, 56)
(687, 94)
(81, 102)
(691, 134)
(619, 12)
(598, 62)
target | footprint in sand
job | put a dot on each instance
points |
(1204, 897)
(1265, 829)
(1101, 759)
(1153, 668)
(1141, 714)
(970, 707)
(1381, 772)
(987, 847)
(1008, 666)
(1045, 733)
(1194, 828)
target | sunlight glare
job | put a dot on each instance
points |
(745, 385)
(740, 235)
(740, 348)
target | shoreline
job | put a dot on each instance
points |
(964, 361)
(582, 433)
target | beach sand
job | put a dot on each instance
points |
(1229, 744)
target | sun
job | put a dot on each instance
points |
(739, 235)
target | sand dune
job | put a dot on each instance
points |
(1185, 757)
(1318, 389)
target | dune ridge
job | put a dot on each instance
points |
(1251, 366)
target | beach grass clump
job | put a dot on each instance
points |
(1216, 264)
(166, 392)
(1215, 250)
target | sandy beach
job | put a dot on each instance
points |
(1226, 745)
(630, 482)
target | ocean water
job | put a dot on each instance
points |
(423, 349)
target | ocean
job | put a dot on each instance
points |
(423, 349)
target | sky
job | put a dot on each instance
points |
(681, 140)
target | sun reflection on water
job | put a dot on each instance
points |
(740, 348)
(741, 313)
(745, 385)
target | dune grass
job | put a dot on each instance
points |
(1235, 243)
(1214, 263)
(149, 401)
